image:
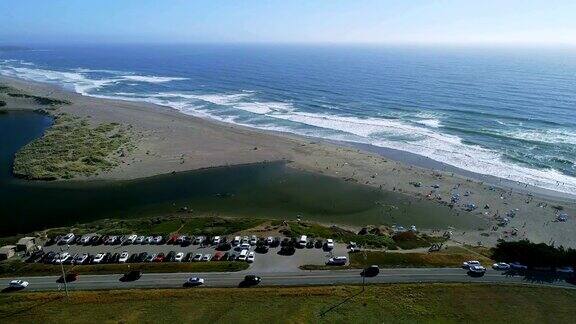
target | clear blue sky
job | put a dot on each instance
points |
(333, 21)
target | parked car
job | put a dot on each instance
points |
(310, 244)
(250, 258)
(193, 282)
(337, 260)
(253, 240)
(188, 257)
(269, 240)
(124, 257)
(149, 240)
(199, 240)
(158, 240)
(468, 264)
(207, 257)
(501, 266)
(236, 240)
(160, 257)
(94, 240)
(262, 249)
(81, 258)
(179, 257)
(62, 257)
(18, 284)
(85, 239)
(318, 244)
(216, 240)
(170, 256)
(217, 256)
(131, 239)
(303, 241)
(243, 255)
(232, 257)
(142, 257)
(150, 257)
(140, 240)
(67, 239)
(197, 257)
(329, 244)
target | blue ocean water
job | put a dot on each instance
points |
(502, 112)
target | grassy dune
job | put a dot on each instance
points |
(72, 147)
(407, 303)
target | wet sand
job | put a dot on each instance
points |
(170, 141)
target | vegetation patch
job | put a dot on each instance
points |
(18, 268)
(449, 257)
(45, 101)
(410, 240)
(401, 303)
(72, 147)
(534, 254)
(2, 103)
(313, 230)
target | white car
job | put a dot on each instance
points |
(199, 240)
(216, 240)
(157, 240)
(80, 258)
(18, 284)
(501, 266)
(131, 239)
(98, 258)
(269, 240)
(338, 260)
(179, 257)
(245, 246)
(236, 240)
(149, 240)
(67, 239)
(245, 239)
(477, 269)
(207, 257)
(243, 255)
(85, 239)
(565, 269)
(124, 257)
(253, 240)
(194, 281)
(197, 257)
(329, 244)
(468, 264)
(62, 257)
(250, 257)
(140, 240)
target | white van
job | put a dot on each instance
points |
(236, 240)
(303, 240)
(243, 255)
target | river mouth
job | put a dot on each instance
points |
(267, 190)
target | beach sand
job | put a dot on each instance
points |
(170, 141)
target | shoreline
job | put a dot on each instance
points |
(171, 141)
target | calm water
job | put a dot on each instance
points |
(267, 190)
(507, 113)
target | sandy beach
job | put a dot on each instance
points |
(170, 141)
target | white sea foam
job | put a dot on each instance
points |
(552, 136)
(263, 108)
(434, 123)
(150, 79)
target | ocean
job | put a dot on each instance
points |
(509, 113)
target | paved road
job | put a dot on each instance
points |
(232, 279)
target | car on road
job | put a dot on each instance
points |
(197, 257)
(329, 244)
(250, 258)
(371, 271)
(476, 270)
(194, 281)
(124, 256)
(179, 257)
(18, 284)
(501, 266)
(207, 257)
(518, 266)
(337, 260)
(132, 275)
(468, 264)
(70, 277)
(251, 280)
(568, 270)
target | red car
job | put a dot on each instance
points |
(172, 239)
(159, 258)
(217, 256)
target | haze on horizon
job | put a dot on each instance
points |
(494, 22)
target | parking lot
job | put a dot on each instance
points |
(270, 261)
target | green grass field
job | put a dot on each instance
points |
(406, 303)
(449, 257)
(18, 268)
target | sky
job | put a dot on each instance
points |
(531, 22)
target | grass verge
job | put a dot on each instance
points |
(449, 257)
(19, 268)
(401, 303)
